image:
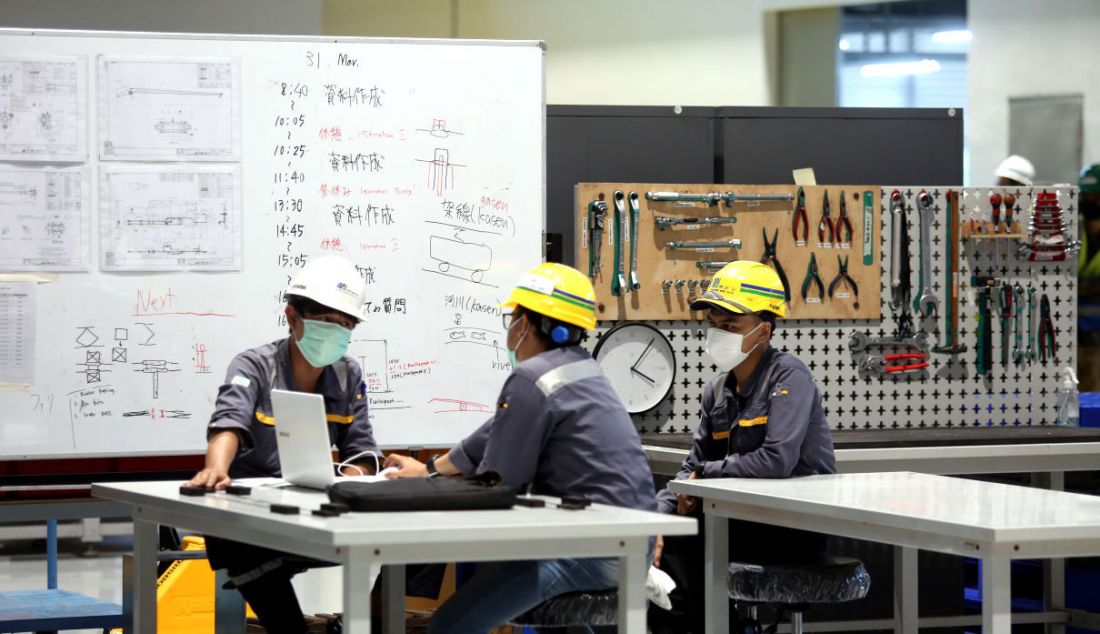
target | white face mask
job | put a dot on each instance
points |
(725, 347)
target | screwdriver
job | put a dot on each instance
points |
(1010, 202)
(995, 203)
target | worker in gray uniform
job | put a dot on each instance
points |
(324, 304)
(559, 429)
(761, 418)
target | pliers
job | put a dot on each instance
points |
(800, 216)
(1047, 345)
(812, 276)
(842, 222)
(842, 276)
(771, 259)
(825, 227)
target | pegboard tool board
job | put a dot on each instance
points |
(669, 276)
(421, 161)
(948, 393)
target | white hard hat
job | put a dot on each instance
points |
(1017, 168)
(331, 281)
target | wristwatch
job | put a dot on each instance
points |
(430, 464)
(699, 470)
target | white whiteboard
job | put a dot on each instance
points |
(426, 168)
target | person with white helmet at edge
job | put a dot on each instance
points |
(324, 303)
(1015, 170)
(558, 429)
(761, 418)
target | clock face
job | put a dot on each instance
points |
(639, 362)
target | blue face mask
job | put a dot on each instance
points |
(323, 343)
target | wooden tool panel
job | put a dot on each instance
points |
(670, 277)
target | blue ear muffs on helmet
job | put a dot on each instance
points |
(559, 334)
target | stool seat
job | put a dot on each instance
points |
(836, 580)
(573, 608)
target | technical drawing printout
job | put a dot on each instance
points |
(164, 108)
(170, 219)
(44, 220)
(17, 332)
(43, 108)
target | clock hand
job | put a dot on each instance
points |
(641, 356)
(639, 373)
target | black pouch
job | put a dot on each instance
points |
(424, 494)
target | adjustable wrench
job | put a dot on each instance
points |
(1019, 355)
(926, 303)
(897, 224)
(635, 213)
(618, 283)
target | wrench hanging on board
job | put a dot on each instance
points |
(925, 303)
(618, 282)
(635, 214)
(597, 214)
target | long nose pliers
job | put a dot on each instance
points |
(813, 277)
(801, 217)
(771, 259)
(825, 229)
(843, 223)
(842, 276)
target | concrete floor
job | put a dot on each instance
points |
(97, 572)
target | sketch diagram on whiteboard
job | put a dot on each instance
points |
(43, 105)
(439, 130)
(456, 405)
(156, 367)
(459, 252)
(169, 219)
(441, 172)
(44, 220)
(169, 108)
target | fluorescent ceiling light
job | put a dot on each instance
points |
(898, 69)
(844, 45)
(961, 36)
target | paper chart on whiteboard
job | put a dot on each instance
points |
(17, 342)
(169, 108)
(44, 220)
(43, 108)
(170, 219)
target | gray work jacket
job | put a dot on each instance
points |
(560, 429)
(244, 405)
(773, 428)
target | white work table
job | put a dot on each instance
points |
(363, 542)
(990, 521)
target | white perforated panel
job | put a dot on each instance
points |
(950, 394)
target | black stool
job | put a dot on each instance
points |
(794, 589)
(573, 608)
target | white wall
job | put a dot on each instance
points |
(300, 17)
(1025, 47)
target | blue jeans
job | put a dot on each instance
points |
(500, 591)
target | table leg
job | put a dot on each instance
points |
(360, 571)
(716, 561)
(633, 568)
(996, 595)
(393, 599)
(905, 590)
(145, 576)
(1054, 570)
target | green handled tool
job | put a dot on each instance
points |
(1019, 355)
(985, 332)
(597, 215)
(635, 214)
(618, 282)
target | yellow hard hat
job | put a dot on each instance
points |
(557, 291)
(744, 286)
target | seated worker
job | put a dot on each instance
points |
(761, 418)
(559, 429)
(323, 304)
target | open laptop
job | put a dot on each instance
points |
(301, 434)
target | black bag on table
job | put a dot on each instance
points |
(425, 494)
